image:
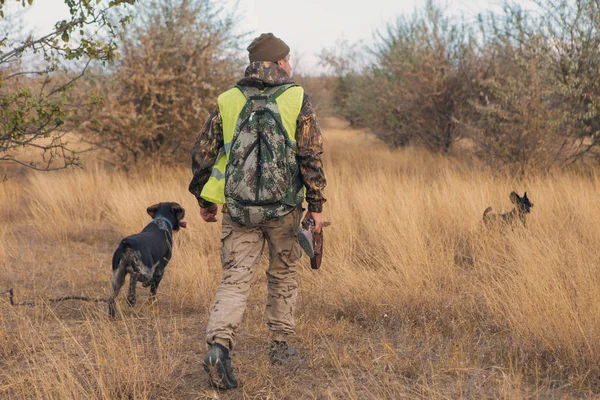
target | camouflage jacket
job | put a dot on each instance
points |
(308, 140)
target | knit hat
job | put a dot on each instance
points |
(267, 47)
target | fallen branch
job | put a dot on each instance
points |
(54, 300)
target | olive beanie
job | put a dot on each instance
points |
(267, 47)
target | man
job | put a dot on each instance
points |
(259, 154)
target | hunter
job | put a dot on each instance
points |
(259, 154)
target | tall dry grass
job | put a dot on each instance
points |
(415, 297)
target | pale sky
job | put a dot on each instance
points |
(307, 26)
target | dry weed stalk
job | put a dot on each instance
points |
(414, 299)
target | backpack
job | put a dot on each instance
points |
(262, 179)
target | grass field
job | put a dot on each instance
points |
(415, 299)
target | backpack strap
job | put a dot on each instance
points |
(268, 96)
(279, 91)
(251, 94)
(272, 99)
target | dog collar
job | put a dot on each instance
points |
(161, 218)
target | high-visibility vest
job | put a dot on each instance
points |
(230, 106)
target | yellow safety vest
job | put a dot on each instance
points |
(231, 104)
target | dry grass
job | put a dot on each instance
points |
(414, 299)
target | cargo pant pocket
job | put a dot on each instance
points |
(226, 245)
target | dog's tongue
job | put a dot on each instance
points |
(183, 224)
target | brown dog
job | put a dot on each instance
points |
(522, 208)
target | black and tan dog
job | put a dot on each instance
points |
(145, 255)
(522, 208)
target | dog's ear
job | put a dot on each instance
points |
(514, 197)
(152, 210)
(178, 211)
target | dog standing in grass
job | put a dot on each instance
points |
(145, 255)
(522, 208)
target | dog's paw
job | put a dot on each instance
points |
(131, 300)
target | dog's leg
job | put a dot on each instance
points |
(133, 277)
(117, 282)
(158, 275)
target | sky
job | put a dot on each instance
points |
(307, 26)
(311, 25)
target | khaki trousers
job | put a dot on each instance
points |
(241, 249)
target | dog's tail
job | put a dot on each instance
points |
(486, 212)
(129, 259)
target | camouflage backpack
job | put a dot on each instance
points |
(262, 179)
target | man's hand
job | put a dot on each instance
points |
(209, 214)
(317, 217)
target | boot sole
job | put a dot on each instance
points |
(306, 246)
(217, 377)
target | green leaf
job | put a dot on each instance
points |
(65, 36)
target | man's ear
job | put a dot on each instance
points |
(178, 211)
(152, 210)
(514, 197)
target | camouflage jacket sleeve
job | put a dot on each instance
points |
(204, 154)
(310, 148)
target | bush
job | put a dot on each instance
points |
(523, 88)
(177, 58)
(414, 89)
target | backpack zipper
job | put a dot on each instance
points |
(249, 150)
(264, 139)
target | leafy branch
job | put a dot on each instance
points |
(38, 73)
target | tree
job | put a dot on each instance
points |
(571, 31)
(37, 74)
(417, 83)
(536, 104)
(519, 126)
(177, 57)
(343, 60)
